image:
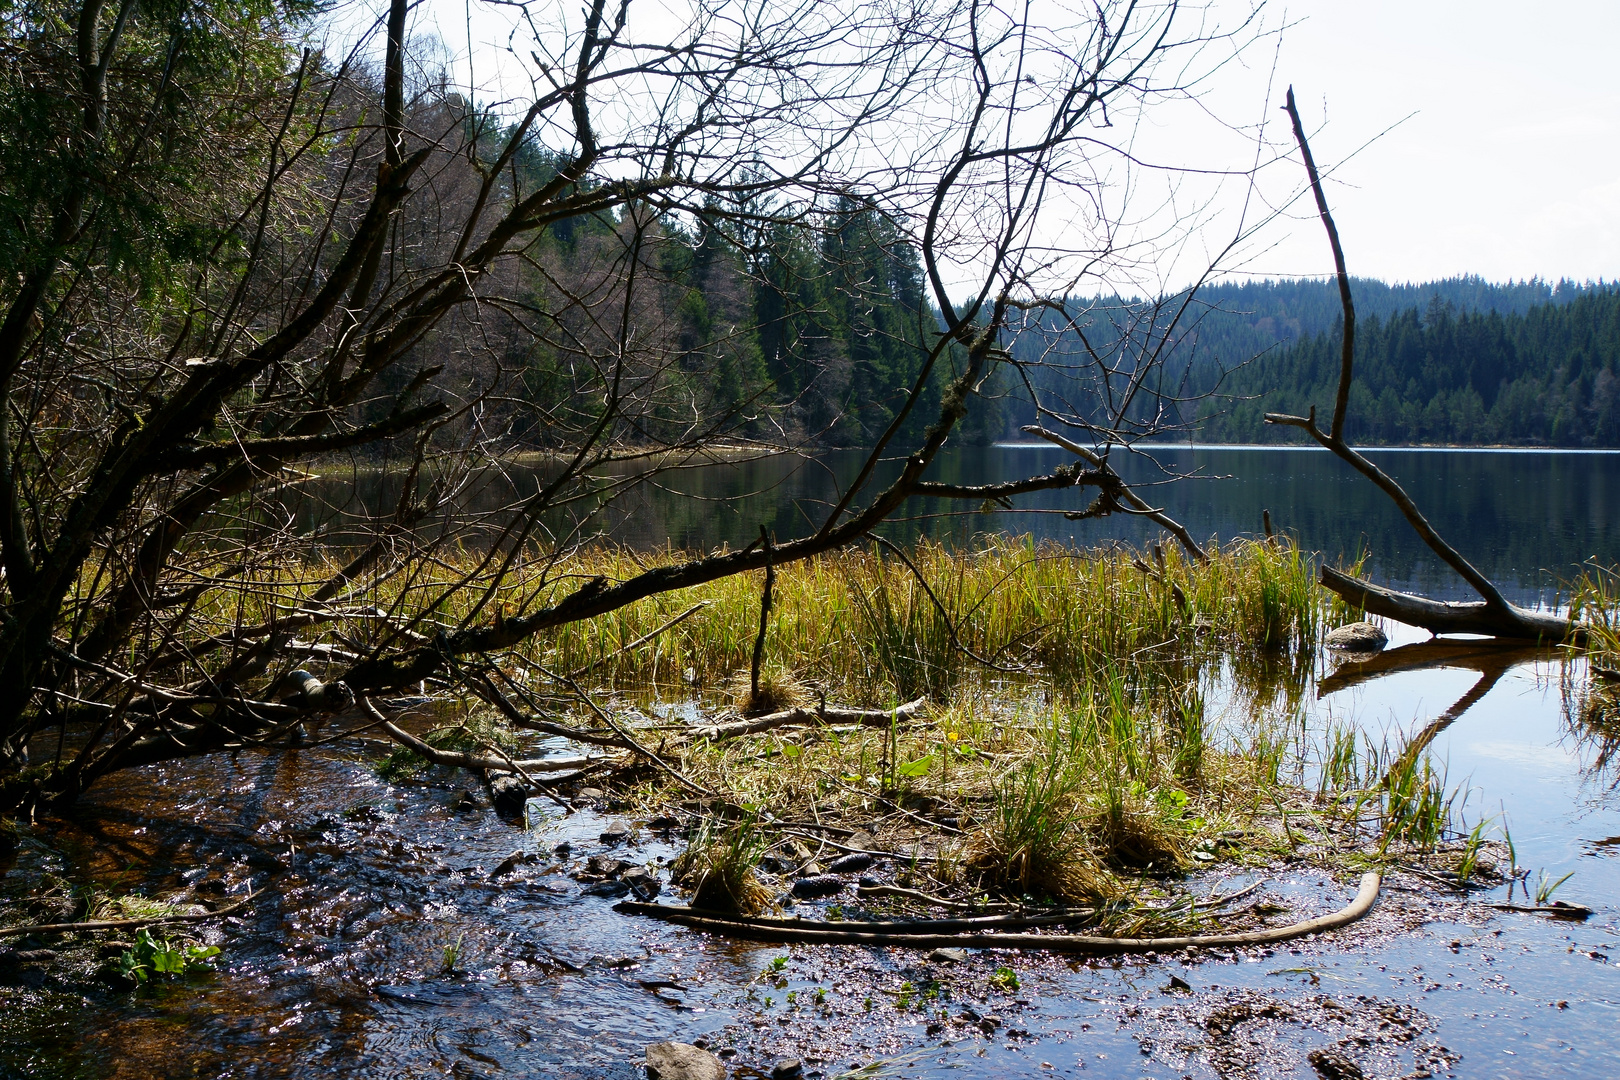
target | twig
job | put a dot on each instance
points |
(124, 924)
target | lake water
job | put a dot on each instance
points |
(336, 970)
(1528, 519)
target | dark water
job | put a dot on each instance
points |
(338, 968)
(1528, 519)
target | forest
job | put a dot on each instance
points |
(1458, 361)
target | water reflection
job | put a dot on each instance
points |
(1527, 519)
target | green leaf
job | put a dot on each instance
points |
(919, 767)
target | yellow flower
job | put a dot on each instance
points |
(950, 736)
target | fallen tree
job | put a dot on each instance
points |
(1493, 615)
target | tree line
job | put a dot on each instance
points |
(1460, 360)
(1546, 376)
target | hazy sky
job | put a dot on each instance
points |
(1503, 161)
(1510, 167)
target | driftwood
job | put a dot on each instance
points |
(1493, 615)
(125, 924)
(807, 932)
(823, 715)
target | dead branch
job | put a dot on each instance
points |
(826, 715)
(843, 933)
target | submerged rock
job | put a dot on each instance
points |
(1357, 637)
(682, 1061)
(787, 1069)
(948, 956)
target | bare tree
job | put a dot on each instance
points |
(348, 258)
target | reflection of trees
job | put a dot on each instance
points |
(1307, 492)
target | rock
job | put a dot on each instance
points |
(1332, 1063)
(610, 888)
(589, 794)
(616, 833)
(464, 802)
(948, 956)
(808, 888)
(989, 1024)
(642, 882)
(850, 864)
(1357, 637)
(509, 796)
(787, 1069)
(563, 849)
(510, 863)
(606, 866)
(663, 823)
(682, 1061)
(1177, 984)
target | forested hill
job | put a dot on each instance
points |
(1460, 360)
(1541, 375)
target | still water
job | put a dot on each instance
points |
(1528, 519)
(338, 969)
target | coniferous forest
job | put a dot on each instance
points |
(1461, 361)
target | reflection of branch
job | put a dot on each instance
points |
(1481, 656)
(1492, 661)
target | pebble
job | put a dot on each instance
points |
(616, 833)
(948, 956)
(787, 1069)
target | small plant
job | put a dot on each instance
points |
(1005, 979)
(1468, 860)
(1546, 887)
(452, 954)
(152, 958)
(821, 995)
(721, 870)
(868, 1003)
(778, 963)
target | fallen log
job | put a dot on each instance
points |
(824, 715)
(1444, 617)
(828, 933)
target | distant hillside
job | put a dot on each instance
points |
(1544, 377)
(1459, 360)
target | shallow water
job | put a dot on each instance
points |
(338, 967)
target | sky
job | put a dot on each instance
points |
(1478, 137)
(1509, 166)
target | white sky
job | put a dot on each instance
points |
(1504, 160)
(1510, 167)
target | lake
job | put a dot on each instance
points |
(1527, 518)
(339, 969)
